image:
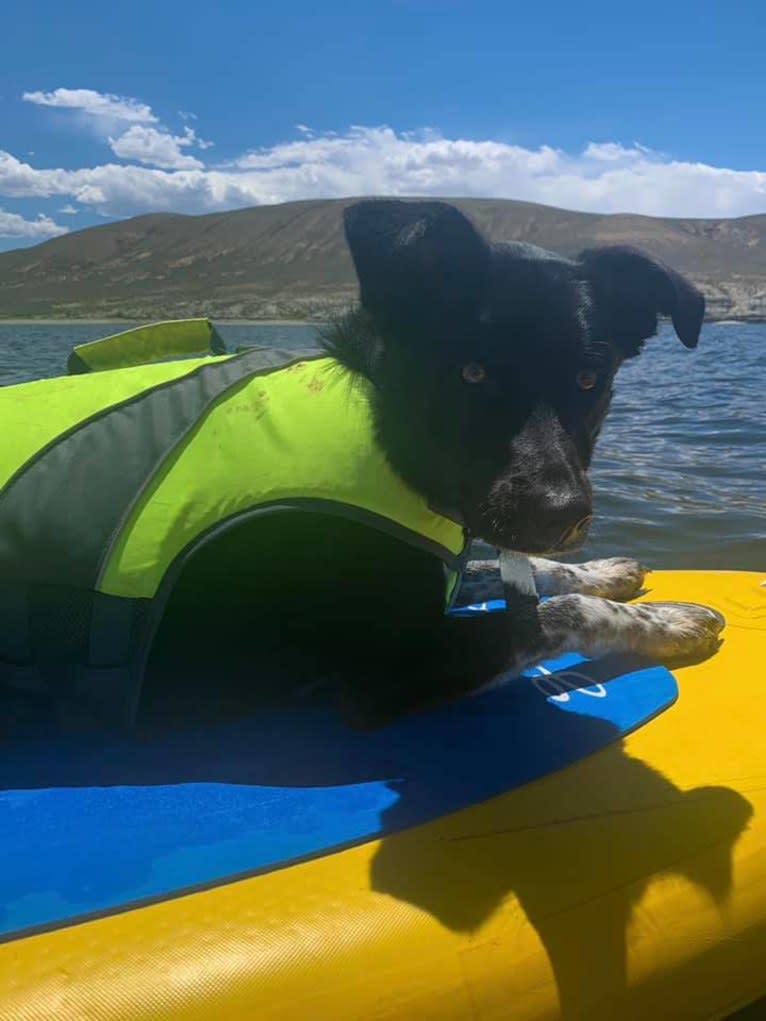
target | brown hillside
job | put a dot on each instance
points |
(290, 260)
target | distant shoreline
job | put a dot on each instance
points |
(127, 322)
(258, 322)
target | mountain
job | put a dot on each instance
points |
(290, 261)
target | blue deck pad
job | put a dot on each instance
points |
(93, 825)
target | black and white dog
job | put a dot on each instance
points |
(492, 368)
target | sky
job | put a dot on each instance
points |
(111, 111)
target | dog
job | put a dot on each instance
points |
(491, 369)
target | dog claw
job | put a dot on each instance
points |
(681, 631)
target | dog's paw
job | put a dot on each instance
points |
(677, 632)
(617, 578)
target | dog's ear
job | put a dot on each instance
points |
(415, 259)
(632, 288)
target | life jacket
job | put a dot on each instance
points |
(110, 480)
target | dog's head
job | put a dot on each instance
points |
(492, 364)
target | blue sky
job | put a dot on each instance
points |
(109, 112)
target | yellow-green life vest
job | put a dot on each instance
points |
(110, 480)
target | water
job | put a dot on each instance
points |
(680, 470)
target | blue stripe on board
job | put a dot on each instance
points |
(92, 825)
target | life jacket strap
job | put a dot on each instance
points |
(76, 648)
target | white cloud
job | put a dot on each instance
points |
(14, 226)
(129, 126)
(603, 177)
(113, 189)
(614, 152)
(95, 104)
(157, 148)
(69, 210)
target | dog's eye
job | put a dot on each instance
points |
(474, 373)
(586, 379)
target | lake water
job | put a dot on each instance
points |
(680, 470)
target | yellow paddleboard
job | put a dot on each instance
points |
(628, 885)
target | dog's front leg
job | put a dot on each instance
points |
(665, 632)
(617, 578)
